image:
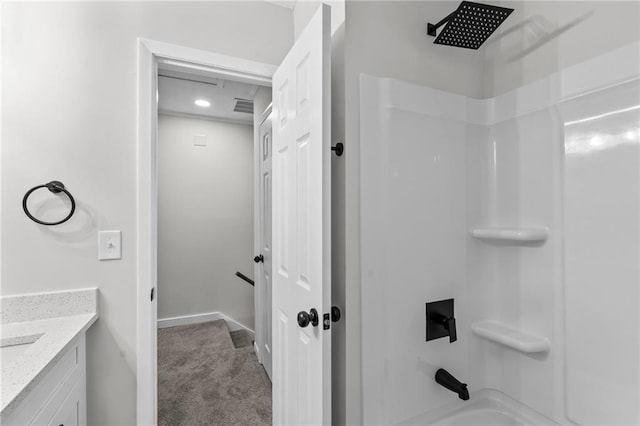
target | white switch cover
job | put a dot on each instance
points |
(109, 245)
(200, 140)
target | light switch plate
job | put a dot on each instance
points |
(200, 140)
(109, 245)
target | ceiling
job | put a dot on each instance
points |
(178, 91)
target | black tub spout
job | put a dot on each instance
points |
(444, 378)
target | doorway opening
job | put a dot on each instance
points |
(160, 63)
(208, 368)
(301, 302)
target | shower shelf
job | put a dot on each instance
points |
(511, 234)
(510, 337)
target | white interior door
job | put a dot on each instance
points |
(266, 184)
(302, 228)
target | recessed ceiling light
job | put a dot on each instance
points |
(202, 103)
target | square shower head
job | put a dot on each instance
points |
(470, 25)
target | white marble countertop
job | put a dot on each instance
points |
(56, 320)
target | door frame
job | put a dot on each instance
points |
(149, 53)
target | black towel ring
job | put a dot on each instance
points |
(56, 187)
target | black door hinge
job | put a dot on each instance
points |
(152, 293)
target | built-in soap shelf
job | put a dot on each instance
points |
(514, 235)
(503, 334)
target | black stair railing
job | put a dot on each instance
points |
(246, 278)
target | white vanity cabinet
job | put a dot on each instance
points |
(59, 399)
(72, 412)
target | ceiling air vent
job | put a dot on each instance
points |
(243, 105)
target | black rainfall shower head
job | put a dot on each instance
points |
(469, 25)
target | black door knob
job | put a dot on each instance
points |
(305, 318)
(259, 258)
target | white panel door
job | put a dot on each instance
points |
(302, 229)
(266, 184)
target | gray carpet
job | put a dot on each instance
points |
(203, 379)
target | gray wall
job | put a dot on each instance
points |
(205, 218)
(69, 113)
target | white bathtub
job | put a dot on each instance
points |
(484, 408)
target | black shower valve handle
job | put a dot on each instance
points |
(451, 327)
(449, 324)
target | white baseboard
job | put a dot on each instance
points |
(206, 317)
(256, 349)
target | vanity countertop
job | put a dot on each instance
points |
(49, 323)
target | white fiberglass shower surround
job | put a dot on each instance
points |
(524, 209)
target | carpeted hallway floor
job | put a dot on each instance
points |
(203, 379)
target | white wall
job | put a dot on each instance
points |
(561, 153)
(304, 10)
(205, 218)
(69, 113)
(538, 167)
(387, 39)
(599, 27)
(413, 230)
(602, 244)
(513, 179)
